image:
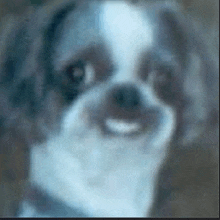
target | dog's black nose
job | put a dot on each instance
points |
(125, 96)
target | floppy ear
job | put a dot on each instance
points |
(195, 113)
(26, 71)
(199, 80)
(173, 33)
(201, 112)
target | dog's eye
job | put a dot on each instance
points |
(81, 72)
(76, 72)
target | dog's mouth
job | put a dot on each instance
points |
(122, 127)
(125, 116)
(127, 123)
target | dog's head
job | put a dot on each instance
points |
(124, 69)
(124, 73)
(130, 66)
(111, 85)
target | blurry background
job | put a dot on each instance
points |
(13, 165)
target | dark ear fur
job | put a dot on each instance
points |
(173, 27)
(27, 79)
(188, 183)
(199, 104)
(27, 111)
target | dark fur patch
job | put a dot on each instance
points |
(50, 37)
(16, 53)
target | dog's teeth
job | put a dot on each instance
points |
(121, 126)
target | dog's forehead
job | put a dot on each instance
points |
(126, 30)
(123, 28)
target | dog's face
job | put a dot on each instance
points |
(115, 78)
(118, 73)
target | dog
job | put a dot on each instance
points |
(101, 91)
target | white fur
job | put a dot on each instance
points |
(128, 34)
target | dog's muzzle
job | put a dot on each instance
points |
(124, 112)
